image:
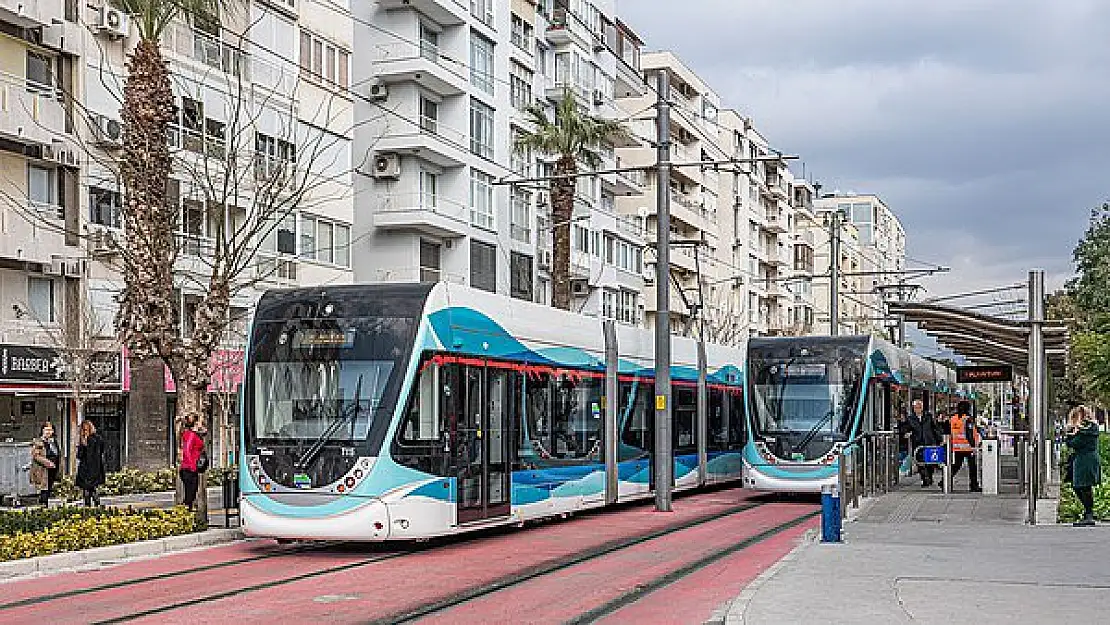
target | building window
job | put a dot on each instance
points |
(325, 240)
(483, 266)
(541, 60)
(272, 158)
(42, 186)
(522, 36)
(521, 286)
(104, 207)
(324, 61)
(429, 189)
(40, 73)
(608, 304)
(483, 10)
(543, 287)
(581, 239)
(481, 199)
(481, 63)
(429, 115)
(520, 86)
(521, 226)
(429, 43)
(481, 129)
(429, 261)
(627, 307)
(199, 134)
(40, 299)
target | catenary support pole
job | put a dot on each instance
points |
(611, 401)
(1036, 389)
(664, 464)
(834, 273)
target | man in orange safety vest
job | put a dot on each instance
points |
(965, 440)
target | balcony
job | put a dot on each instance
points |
(203, 48)
(775, 222)
(445, 12)
(566, 28)
(431, 141)
(581, 94)
(438, 217)
(30, 13)
(423, 64)
(624, 182)
(30, 112)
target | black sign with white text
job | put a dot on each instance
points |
(992, 373)
(47, 365)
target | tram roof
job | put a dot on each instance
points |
(986, 338)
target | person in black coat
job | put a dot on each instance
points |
(90, 463)
(923, 433)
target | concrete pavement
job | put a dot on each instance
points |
(918, 556)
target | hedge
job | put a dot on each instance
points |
(1070, 510)
(135, 482)
(43, 532)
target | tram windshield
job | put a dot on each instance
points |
(326, 381)
(805, 390)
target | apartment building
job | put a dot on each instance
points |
(262, 95)
(733, 226)
(873, 255)
(448, 85)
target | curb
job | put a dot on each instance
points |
(733, 612)
(112, 554)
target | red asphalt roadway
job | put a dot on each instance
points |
(257, 581)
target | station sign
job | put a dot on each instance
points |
(991, 373)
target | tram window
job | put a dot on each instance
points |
(685, 415)
(737, 431)
(422, 423)
(576, 422)
(536, 433)
(718, 421)
(636, 418)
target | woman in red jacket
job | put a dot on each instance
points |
(192, 445)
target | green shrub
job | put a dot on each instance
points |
(135, 482)
(81, 528)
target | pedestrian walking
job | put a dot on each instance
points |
(1082, 439)
(192, 450)
(964, 442)
(45, 456)
(923, 433)
(90, 463)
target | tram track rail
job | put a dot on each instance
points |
(560, 564)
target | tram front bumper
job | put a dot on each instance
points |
(778, 478)
(264, 517)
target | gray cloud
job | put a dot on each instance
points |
(981, 122)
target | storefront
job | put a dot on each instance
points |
(40, 384)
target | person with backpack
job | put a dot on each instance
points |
(194, 460)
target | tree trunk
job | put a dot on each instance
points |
(562, 210)
(147, 417)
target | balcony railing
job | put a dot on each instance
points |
(431, 126)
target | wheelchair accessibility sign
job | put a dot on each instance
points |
(932, 455)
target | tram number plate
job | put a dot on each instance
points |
(932, 455)
(301, 480)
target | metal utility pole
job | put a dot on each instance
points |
(664, 464)
(834, 268)
(1037, 447)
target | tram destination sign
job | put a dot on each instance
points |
(991, 373)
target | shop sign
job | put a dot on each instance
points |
(47, 365)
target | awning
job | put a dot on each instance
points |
(984, 338)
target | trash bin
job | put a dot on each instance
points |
(231, 498)
(15, 467)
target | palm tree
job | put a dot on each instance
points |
(574, 136)
(147, 317)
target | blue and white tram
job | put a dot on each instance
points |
(809, 396)
(406, 411)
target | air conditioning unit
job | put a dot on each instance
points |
(101, 242)
(108, 131)
(59, 155)
(387, 166)
(599, 97)
(543, 259)
(379, 92)
(579, 288)
(113, 22)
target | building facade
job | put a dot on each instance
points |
(262, 161)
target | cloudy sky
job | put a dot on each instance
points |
(985, 124)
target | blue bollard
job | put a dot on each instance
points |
(830, 514)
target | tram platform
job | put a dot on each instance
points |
(918, 555)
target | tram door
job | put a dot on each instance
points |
(482, 445)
